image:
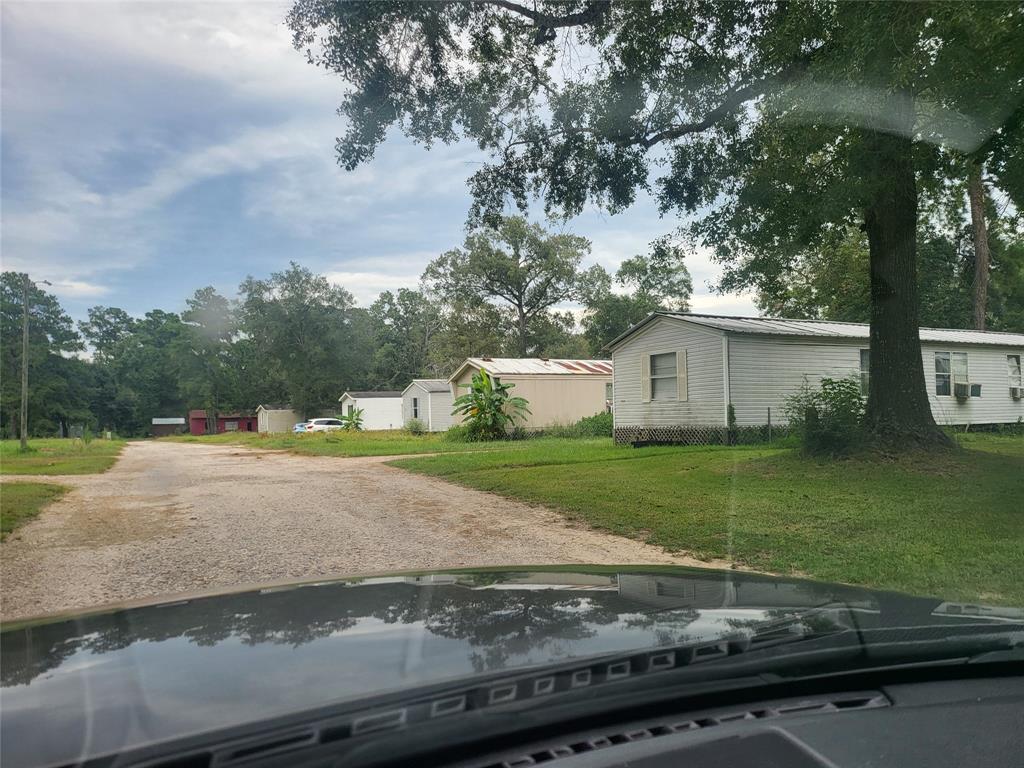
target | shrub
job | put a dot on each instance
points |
(352, 422)
(488, 408)
(415, 426)
(828, 420)
(598, 425)
(458, 433)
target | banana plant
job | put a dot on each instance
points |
(488, 409)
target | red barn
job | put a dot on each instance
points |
(226, 422)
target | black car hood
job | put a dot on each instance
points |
(95, 684)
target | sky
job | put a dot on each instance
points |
(152, 148)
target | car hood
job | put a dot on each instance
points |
(84, 686)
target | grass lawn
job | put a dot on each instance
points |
(20, 502)
(55, 456)
(384, 443)
(950, 526)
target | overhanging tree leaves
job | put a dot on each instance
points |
(787, 119)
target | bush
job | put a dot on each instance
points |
(828, 420)
(598, 425)
(415, 426)
(488, 408)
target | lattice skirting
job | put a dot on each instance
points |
(699, 435)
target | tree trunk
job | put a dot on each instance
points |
(521, 317)
(976, 195)
(898, 413)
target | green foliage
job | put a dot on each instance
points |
(488, 409)
(415, 426)
(828, 419)
(58, 456)
(403, 323)
(520, 266)
(353, 420)
(598, 425)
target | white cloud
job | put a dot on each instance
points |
(78, 289)
(366, 286)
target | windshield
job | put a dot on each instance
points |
(682, 313)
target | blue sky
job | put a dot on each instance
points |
(149, 149)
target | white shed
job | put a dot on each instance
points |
(430, 401)
(276, 418)
(381, 410)
(676, 373)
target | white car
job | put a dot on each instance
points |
(324, 425)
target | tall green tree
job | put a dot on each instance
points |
(309, 333)
(784, 120)
(513, 264)
(647, 283)
(51, 336)
(207, 370)
(404, 325)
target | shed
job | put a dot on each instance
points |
(559, 391)
(381, 410)
(276, 418)
(676, 374)
(226, 422)
(430, 401)
(169, 425)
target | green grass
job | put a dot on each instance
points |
(384, 443)
(20, 502)
(55, 456)
(947, 525)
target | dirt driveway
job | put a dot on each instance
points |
(176, 517)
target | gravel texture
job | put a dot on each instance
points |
(184, 517)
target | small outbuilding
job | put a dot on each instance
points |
(677, 375)
(559, 391)
(162, 426)
(430, 401)
(226, 422)
(276, 418)
(381, 410)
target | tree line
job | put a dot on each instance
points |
(296, 338)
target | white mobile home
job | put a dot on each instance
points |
(676, 374)
(430, 401)
(276, 418)
(558, 391)
(381, 410)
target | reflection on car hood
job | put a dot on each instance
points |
(86, 686)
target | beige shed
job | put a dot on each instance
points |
(559, 391)
(276, 418)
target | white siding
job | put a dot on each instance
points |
(441, 411)
(985, 366)
(705, 403)
(378, 412)
(764, 371)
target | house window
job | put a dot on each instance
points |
(950, 369)
(663, 377)
(1013, 370)
(415, 407)
(608, 396)
(351, 409)
(865, 370)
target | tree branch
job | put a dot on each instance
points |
(593, 11)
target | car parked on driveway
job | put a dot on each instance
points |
(300, 427)
(324, 425)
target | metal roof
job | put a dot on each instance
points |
(431, 385)
(829, 329)
(526, 366)
(365, 395)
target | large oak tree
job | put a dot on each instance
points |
(784, 120)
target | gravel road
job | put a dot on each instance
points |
(181, 517)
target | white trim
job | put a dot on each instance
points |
(725, 378)
(651, 377)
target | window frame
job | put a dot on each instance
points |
(415, 407)
(651, 376)
(951, 375)
(1020, 371)
(865, 371)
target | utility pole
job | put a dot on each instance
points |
(24, 359)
